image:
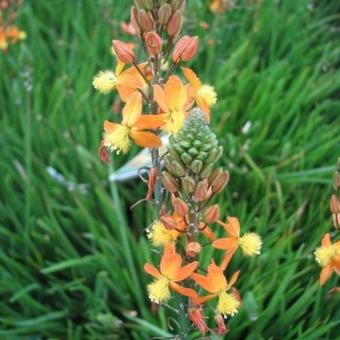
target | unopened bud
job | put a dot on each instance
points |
(212, 214)
(175, 24)
(336, 220)
(185, 49)
(188, 184)
(103, 153)
(169, 182)
(147, 4)
(335, 204)
(192, 249)
(222, 328)
(134, 19)
(218, 184)
(214, 174)
(123, 51)
(153, 42)
(201, 191)
(145, 20)
(168, 222)
(180, 207)
(179, 169)
(336, 180)
(197, 318)
(164, 14)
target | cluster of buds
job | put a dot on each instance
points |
(9, 32)
(183, 181)
(328, 255)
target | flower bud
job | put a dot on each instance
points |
(103, 154)
(336, 180)
(336, 220)
(218, 184)
(164, 14)
(175, 24)
(123, 51)
(197, 318)
(212, 214)
(145, 20)
(188, 184)
(201, 191)
(214, 174)
(168, 222)
(222, 328)
(192, 249)
(180, 207)
(179, 169)
(185, 49)
(147, 4)
(169, 182)
(134, 19)
(153, 43)
(334, 204)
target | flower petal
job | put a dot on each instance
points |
(159, 95)
(207, 232)
(146, 139)
(227, 258)
(109, 126)
(175, 93)
(170, 261)
(227, 243)
(132, 109)
(183, 291)
(203, 281)
(119, 68)
(233, 279)
(150, 121)
(325, 274)
(186, 271)
(192, 78)
(326, 241)
(152, 270)
(202, 299)
(232, 227)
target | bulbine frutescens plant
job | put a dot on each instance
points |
(9, 32)
(183, 181)
(328, 254)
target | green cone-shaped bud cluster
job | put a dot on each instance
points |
(194, 150)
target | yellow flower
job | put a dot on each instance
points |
(204, 95)
(227, 304)
(159, 235)
(250, 244)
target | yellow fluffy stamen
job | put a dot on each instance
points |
(174, 121)
(159, 235)
(323, 255)
(105, 81)
(118, 140)
(250, 244)
(159, 291)
(227, 304)
(208, 93)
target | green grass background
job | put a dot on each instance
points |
(71, 259)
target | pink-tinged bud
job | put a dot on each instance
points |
(123, 51)
(145, 20)
(170, 183)
(169, 222)
(222, 328)
(192, 249)
(201, 191)
(164, 14)
(212, 214)
(103, 154)
(134, 19)
(180, 207)
(334, 204)
(336, 220)
(218, 184)
(185, 49)
(175, 24)
(197, 318)
(153, 42)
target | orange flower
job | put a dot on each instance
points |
(171, 272)
(126, 82)
(172, 100)
(328, 257)
(204, 95)
(250, 243)
(218, 6)
(118, 136)
(216, 284)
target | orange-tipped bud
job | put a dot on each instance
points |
(168, 222)
(170, 183)
(192, 249)
(180, 207)
(153, 42)
(197, 318)
(145, 20)
(123, 51)
(164, 14)
(201, 193)
(218, 184)
(175, 24)
(185, 49)
(212, 214)
(222, 328)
